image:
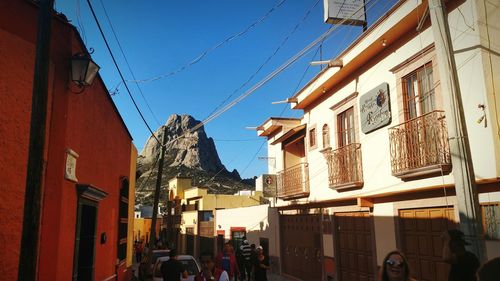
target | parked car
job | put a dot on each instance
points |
(148, 272)
(189, 262)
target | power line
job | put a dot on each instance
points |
(119, 71)
(275, 72)
(128, 65)
(268, 58)
(215, 47)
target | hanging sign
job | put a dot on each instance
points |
(375, 109)
(349, 12)
(269, 185)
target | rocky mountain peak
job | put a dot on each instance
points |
(189, 152)
(184, 146)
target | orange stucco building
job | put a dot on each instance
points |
(87, 128)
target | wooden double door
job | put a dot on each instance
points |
(420, 234)
(301, 249)
(355, 246)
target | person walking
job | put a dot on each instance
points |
(208, 270)
(226, 260)
(261, 265)
(138, 251)
(464, 264)
(246, 252)
(172, 269)
(395, 268)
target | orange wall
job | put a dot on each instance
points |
(87, 123)
(142, 227)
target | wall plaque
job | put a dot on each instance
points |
(70, 170)
(375, 108)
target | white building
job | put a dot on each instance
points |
(367, 168)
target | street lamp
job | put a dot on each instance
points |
(83, 69)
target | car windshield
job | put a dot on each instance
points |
(190, 266)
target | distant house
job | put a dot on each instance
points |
(367, 168)
(89, 177)
(194, 211)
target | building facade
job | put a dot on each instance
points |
(89, 174)
(367, 168)
(193, 214)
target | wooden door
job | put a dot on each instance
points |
(301, 246)
(420, 232)
(355, 246)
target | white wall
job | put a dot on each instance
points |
(260, 222)
(375, 145)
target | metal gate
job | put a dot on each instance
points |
(301, 249)
(421, 242)
(355, 247)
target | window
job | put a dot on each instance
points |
(312, 138)
(491, 220)
(345, 125)
(326, 136)
(418, 92)
(238, 234)
(123, 220)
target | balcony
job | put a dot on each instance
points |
(293, 182)
(345, 168)
(419, 147)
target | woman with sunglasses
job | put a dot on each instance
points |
(395, 268)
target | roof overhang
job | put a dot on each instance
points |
(274, 125)
(374, 41)
(299, 130)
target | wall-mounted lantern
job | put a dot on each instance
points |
(83, 69)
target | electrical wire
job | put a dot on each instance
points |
(213, 48)
(79, 22)
(128, 65)
(275, 72)
(306, 15)
(119, 71)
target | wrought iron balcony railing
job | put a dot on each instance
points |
(293, 182)
(419, 146)
(345, 168)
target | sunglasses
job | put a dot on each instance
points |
(394, 263)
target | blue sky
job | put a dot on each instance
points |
(159, 37)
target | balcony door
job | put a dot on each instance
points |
(419, 102)
(345, 125)
(418, 90)
(346, 137)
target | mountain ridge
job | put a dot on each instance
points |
(188, 153)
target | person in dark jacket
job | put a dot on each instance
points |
(172, 269)
(464, 264)
(261, 265)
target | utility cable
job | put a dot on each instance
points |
(257, 71)
(128, 65)
(268, 58)
(213, 48)
(120, 73)
(275, 72)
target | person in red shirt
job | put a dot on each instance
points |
(208, 270)
(226, 260)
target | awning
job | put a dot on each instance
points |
(299, 130)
